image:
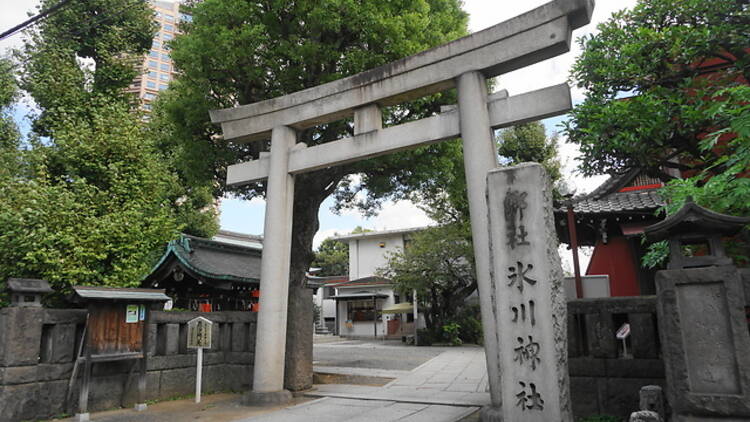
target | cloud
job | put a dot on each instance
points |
(15, 12)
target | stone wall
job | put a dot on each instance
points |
(38, 348)
(602, 380)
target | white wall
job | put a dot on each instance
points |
(366, 255)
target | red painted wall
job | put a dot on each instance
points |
(615, 259)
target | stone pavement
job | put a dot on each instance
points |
(447, 388)
(329, 409)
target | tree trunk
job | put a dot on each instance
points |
(308, 196)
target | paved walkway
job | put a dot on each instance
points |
(446, 388)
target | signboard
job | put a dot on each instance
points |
(623, 332)
(131, 314)
(199, 333)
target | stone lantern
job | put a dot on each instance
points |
(697, 227)
(701, 302)
(27, 292)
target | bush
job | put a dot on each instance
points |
(469, 319)
(452, 331)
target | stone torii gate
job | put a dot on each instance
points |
(465, 64)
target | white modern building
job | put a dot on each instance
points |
(365, 304)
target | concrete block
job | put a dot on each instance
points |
(584, 395)
(63, 343)
(239, 337)
(22, 336)
(15, 375)
(634, 368)
(106, 392)
(19, 402)
(643, 335)
(587, 367)
(52, 398)
(172, 333)
(176, 382)
(130, 397)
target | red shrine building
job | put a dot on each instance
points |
(611, 219)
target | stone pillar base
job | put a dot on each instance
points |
(140, 407)
(491, 414)
(82, 417)
(270, 398)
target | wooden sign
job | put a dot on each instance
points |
(199, 333)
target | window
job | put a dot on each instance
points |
(152, 64)
(164, 77)
(149, 96)
(152, 74)
(168, 27)
(150, 84)
(164, 56)
(162, 87)
(155, 44)
(169, 18)
(153, 54)
(360, 310)
(147, 106)
(166, 37)
(185, 17)
(164, 67)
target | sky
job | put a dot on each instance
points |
(247, 216)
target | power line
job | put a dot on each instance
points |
(34, 19)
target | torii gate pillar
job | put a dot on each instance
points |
(479, 159)
(270, 345)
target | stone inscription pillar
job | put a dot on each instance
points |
(527, 292)
(479, 158)
(270, 343)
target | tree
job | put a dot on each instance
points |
(666, 90)
(438, 264)
(652, 77)
(529, 142)
(90, 200)
(237, 52)
(443, 197)
(332, 257)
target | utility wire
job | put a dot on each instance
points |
(34, 19)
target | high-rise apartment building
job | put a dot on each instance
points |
(157, 66)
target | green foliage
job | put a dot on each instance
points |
(113, 34)
(452, 331)
(237, 52)
(443, 196)
(94, 211)
(332, 257)
(468, 317)
(726, 192)
(89, 198)
(438, 264)
(657, 56)
(660, 78)
(529, 142)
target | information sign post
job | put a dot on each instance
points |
(199, 337)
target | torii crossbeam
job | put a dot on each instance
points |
(465, 64)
